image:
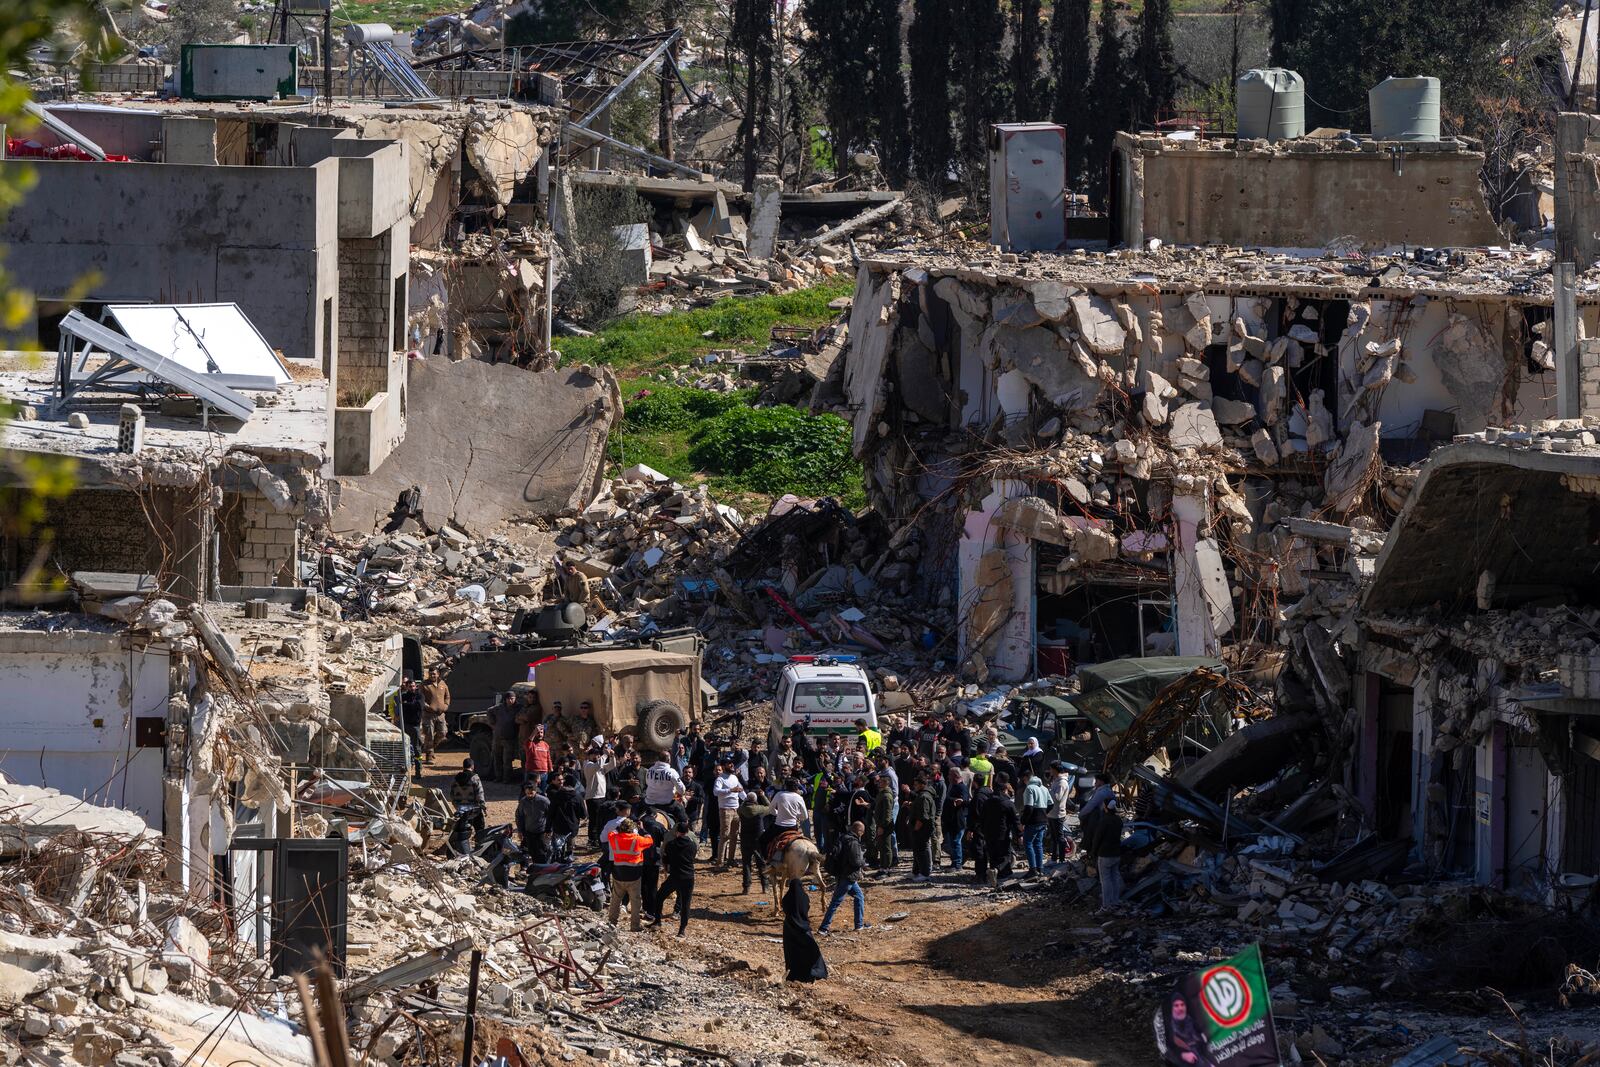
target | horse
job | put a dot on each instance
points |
(800, 860)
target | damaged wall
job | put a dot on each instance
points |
(1301, 194)
(71, 711)
(1577, 181)
(156, 232)
(1165, 434)
(492, 442)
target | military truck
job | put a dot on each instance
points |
(545, 669)
(1079, 727)
(638, 691)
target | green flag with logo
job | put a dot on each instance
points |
(1220, 1016)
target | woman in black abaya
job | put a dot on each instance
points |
(802, 957)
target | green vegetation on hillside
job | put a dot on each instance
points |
(739, 450)
(646, 342)
(403, 15)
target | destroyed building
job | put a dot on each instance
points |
(1158, 417)
(1198, 445)
(1475, 692)
(357, 262)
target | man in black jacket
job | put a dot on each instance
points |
(981, 795)
(694, 795)
(957, 806)
(845, 863)
(1000, 831)
(677, 856)
(1107, 847)
(466, 790)
(411, 713)
(804, 745)
(924, 811)
(533, 812)
(566, 815)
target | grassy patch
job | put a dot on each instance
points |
(746, 455)
(403, 15)
(647, 342)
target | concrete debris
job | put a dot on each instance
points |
(472, 447)
(33, 815)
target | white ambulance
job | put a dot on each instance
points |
(826, 693)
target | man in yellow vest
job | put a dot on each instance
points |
(982, 770)
(627, 868)
(872, 737)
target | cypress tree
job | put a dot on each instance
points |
(886, 88)
(837, 67)
(753, 32)
(930, 44)
(981, 72)
(1108, 89)
(1069, 45)
(1155, 65)
(1029, 85)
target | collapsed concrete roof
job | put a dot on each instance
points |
(1522, 509)
(291, 425)
(1514, 274)
(492, 442)
(501, 140)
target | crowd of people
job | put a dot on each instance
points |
(939, 792)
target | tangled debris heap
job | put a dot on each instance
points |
(650, 553)
(104, 959)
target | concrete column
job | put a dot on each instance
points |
(1195, 574)
(766, 208)
(1568, 372)
(1421, 749)
(989, 558)
(1489, 808)
(1370, 706)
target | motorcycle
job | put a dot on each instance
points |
(570, 883)
(460, 841)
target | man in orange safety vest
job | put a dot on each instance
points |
(627, 866)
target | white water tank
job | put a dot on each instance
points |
(369, 33)
(1405, 109)
(1271, 104)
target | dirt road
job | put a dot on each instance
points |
(966, 975)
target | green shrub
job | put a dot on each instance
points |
(645, 340)
(778, 450)
(678, 407)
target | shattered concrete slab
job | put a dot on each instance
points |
(32, 814)
(487, 442)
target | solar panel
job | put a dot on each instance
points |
(206, 339)
(126, 354)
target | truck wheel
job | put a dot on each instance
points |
(480, 746)
(659, 723)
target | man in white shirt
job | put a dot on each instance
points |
(729, 791)
(661, 782)
(623, 811)
(596, 762)
(788, 811)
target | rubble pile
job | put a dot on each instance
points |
(1367, 950)
(484, 297)
(650, 553)
(688, 269)
(105, 960)
(102, 957)
(1375, 985)
(547, 970)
